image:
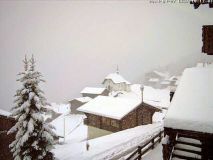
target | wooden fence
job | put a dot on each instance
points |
(141, 150)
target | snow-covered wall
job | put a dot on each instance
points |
(77, 43)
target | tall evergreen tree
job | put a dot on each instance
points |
(34, 138)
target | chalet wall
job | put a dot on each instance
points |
(147, 114)
(6, 140)
(129, 120)
(6, 123)
(90, 95)
(105, 123)
(139, 116)
(93, 120)
(110, 124)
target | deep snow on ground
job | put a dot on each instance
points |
(155, 154)
(115, 145)
(106, 147)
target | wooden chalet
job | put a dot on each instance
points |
(189, 124)
(112, 114)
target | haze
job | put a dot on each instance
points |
(76, 44)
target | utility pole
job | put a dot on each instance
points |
(64, 129)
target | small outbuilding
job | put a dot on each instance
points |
(77, 102)
(93, 92)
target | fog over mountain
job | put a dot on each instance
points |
(76, 44)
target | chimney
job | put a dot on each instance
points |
(171, 95)
(172, 92)
(142, 89)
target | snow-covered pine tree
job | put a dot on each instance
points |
(34, 138)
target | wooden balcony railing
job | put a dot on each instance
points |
(141, 150)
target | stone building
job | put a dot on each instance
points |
(93, 92)
(115, 82)
(115, 114)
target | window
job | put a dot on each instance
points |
(114, 123)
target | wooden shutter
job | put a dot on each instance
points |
(208, 39)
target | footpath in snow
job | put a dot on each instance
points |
(111, 146)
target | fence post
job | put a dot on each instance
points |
(153, 143)
(160, 137)
(139, 153)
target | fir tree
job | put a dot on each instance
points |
(34, 138)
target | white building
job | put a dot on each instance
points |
(115, 82)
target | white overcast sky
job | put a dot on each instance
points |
(76, 44)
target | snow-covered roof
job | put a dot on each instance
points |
(153, 80)
(173, 78)
(60, 108)
(162, 74)
(93, 90)
(165, 82)
(159, 98)
(112, 107)
(116, 78)
(83, 99)
(4, 113)
(66, 123)
(192, 104)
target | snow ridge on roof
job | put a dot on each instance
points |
(116, 78)
(83, 99)
(93, 90)
(192, 105)
(162, 74)
(156, 97)
(4, 113)
(112, 107)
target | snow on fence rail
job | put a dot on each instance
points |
(124, 142)
(141, 150)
